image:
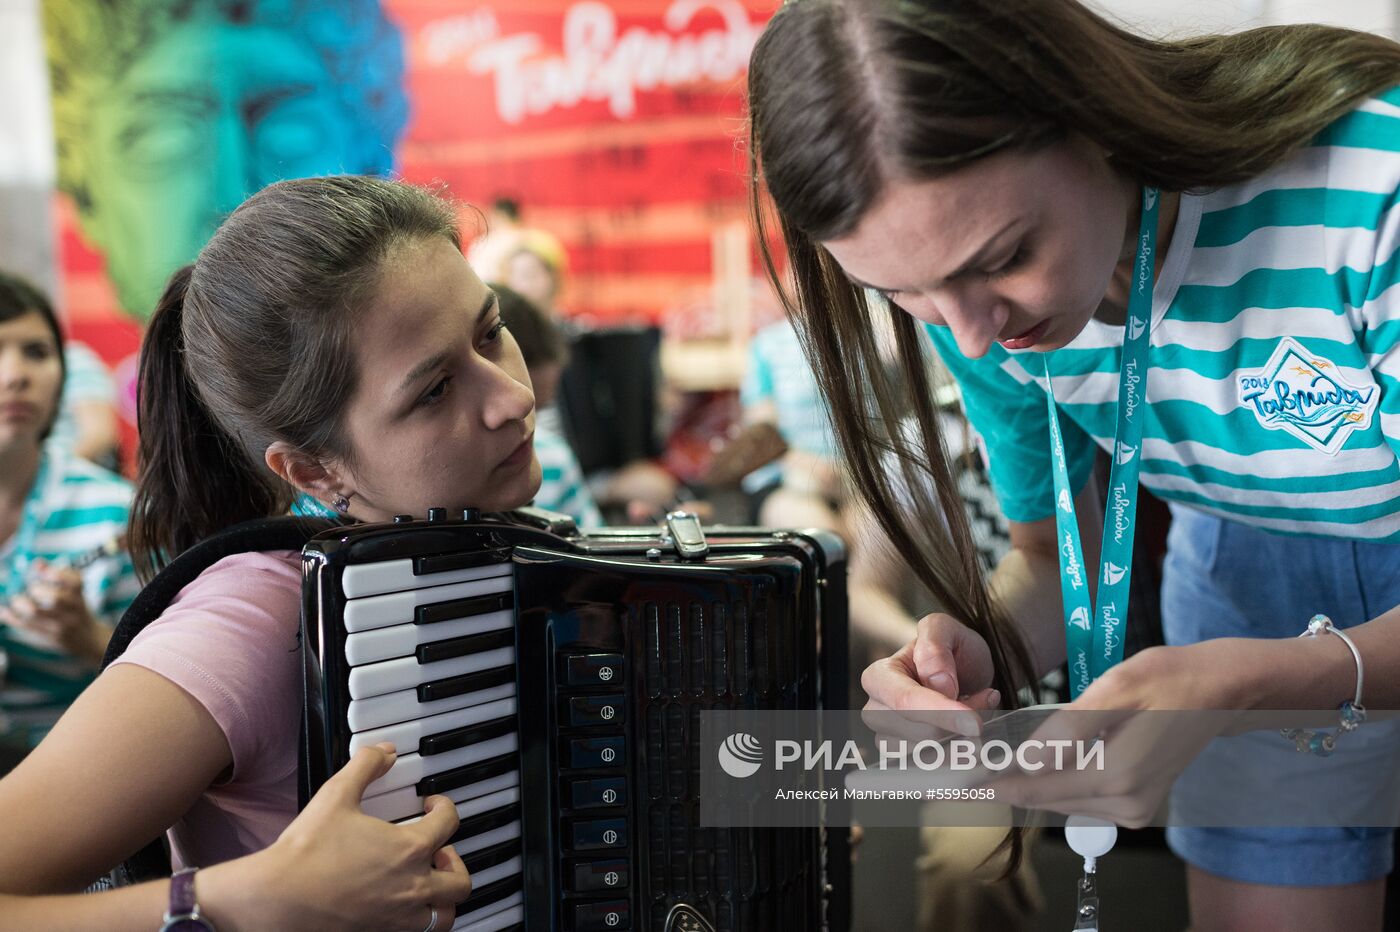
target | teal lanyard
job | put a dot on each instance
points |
(1094, 634)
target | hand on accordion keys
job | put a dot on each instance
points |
(336, 868)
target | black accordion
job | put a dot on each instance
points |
(551, 682)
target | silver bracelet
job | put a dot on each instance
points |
(1353, 713)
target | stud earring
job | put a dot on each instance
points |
(341, 504)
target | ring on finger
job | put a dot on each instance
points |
(432, 920)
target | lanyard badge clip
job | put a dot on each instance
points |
(1086, 910)
(1091, 839)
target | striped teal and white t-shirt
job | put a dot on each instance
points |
(562, 487)
(1274, 373)
(778, 372)
(87, 379)
(74, 509)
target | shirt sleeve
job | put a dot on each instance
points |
(1376, 314)
(562, 486)
(88, 378)
(114, 585)
(230, 640)
(1381, 345)
(758, 378)
(1011, 417)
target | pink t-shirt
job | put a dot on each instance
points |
(230, 640)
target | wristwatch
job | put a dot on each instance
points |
(183, 913)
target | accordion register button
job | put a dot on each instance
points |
(601, 917)
(402, 519)
(597, 752)
(599, 834)
(589, 794)
(437, 514)
(596, 710)
(594, 670)
(590, 876)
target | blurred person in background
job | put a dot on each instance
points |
(489, 253)
(66, 578)
(562, 487)
(536, 266)
(87, 417)
(638, 490)
(806, 486)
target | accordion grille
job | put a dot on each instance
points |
(709, 654)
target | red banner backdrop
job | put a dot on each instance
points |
(617, 126)
(89, 305)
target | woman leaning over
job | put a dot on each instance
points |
(1022, 178)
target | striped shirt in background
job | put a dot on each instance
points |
(1274, 387)
(74, 509)
(87, 379)
(778, 372)
(563, 488)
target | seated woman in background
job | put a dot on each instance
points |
(562, 487)
(66, 580)
(385, 383)
(808, 488)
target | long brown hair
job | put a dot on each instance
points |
(252, 343)
(846, 96)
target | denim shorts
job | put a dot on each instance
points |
(1226, 579)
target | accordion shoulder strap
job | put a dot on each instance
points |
(289, 533)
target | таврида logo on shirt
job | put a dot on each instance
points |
(1305, 395)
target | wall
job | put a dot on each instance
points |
(26, 150)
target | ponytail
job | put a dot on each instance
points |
(192, 478)
(253, 344)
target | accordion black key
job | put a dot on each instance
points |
(551, 684)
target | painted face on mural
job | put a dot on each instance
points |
(210, 110)
(213, 113)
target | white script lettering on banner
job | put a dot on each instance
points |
(599, 62)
